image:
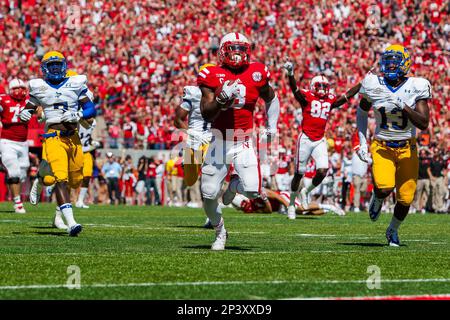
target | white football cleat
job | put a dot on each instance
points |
(291, 215)
(339, 211)
(81, 205)
(221, 239)
(74, 230)
(18, 208)
(58, 222)
(229, 195)
(35, 192)
(305, 198)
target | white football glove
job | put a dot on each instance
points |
(289, 66)
(96, 144)
(26, 114)
(71, 116)
(268, 135)
(228, 92)
(198, 136)
(363, 153)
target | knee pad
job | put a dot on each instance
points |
(75, 179)
(210, 189)
(405, 199)
(13, 180)
(48, 180)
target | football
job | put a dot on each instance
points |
(229, 103)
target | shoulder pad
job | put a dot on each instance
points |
(370, 80)
(207, 77)
(192, 93)
(420, 83)
(422, 88)
(80, 79)
(37, 85)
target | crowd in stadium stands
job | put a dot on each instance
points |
(138, 55)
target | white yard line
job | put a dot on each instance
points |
(216, 283)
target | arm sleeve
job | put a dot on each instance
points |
(89, 110)
(362, 120)
(273, 112)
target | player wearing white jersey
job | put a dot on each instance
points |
(60, 97)
(88, 146)
(401, 105)
(197, 129)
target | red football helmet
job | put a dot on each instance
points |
(320, 86)
(17, 89)
(234, 50)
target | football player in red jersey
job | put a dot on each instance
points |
(316, 105)
(274, 201)
(13, 140)
(230, 91)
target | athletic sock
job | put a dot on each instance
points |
(310, 188)
(293, 197)
(395, 223)
(213, 211)
(17, 200)
(220, 225)
(67, 211)
(82, 195)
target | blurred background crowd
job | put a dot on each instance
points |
(138, 55)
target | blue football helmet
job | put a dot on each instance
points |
(395, 62)
(54, 66)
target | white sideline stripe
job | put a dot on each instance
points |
(315, 235)
(212, 283)
(415, 296)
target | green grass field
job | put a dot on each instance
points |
(163, 253)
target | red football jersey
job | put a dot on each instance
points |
(13, 128)
(240, 114)
(283, 164)
(315, 114)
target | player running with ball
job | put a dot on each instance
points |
(401, 105)
(229, 95)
